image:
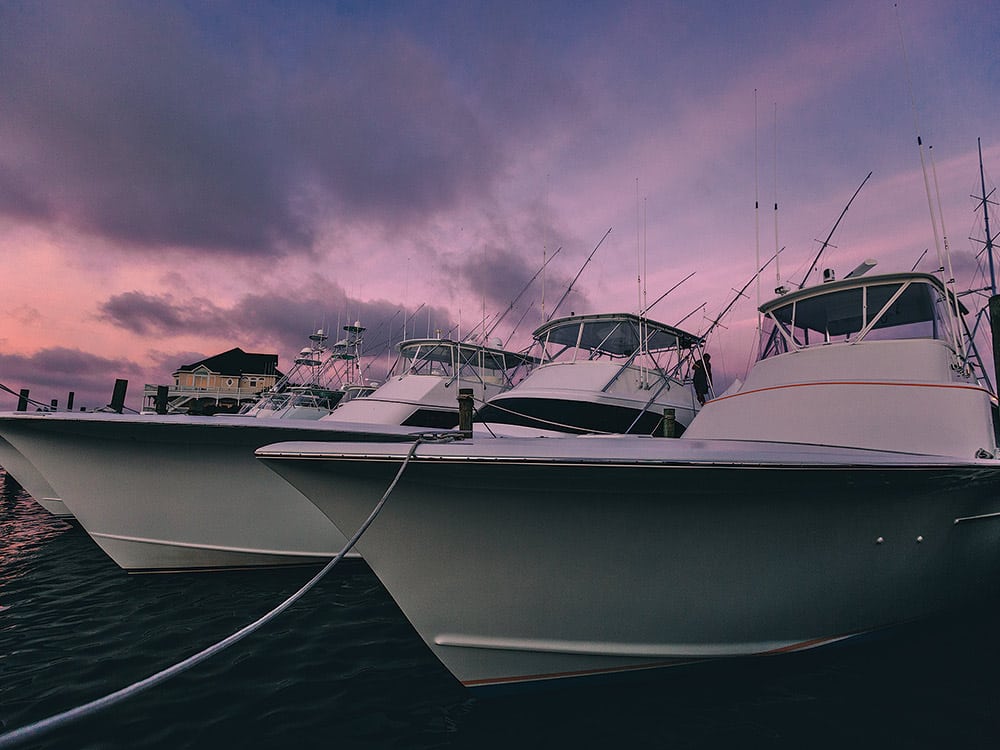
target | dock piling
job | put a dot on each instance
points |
(118, 396)
(466, 404)
(669, 422)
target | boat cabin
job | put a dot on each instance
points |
(882, 362)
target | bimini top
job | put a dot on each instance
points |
(899, 305)
(614, 334)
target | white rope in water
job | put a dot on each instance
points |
(40, 728)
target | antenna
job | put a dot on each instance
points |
(923, 169)
(960, 342)
(778, 288)
(638, 246)
(826, 242)
(862, 268)
(645, 250)
(545, 247)
(756, 207)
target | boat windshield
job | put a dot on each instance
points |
(605, 338)
(448, 359)
(902, 309)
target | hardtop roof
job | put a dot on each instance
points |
(622, 342)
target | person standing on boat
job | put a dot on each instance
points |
(703, 378)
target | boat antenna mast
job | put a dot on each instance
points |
(953, 301)
(756, 206)
(778, 287)
(826, 242)
(927, 186)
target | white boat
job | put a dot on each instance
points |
(316, 382)
(31, 480)
(831, 501)
(611, 373)
(421, 389)
(184, 492)
(311, 389)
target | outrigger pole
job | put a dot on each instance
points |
(520, 294)
(986, 220)
(826, 242)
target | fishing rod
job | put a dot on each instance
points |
(826, 242)
(521, 293)
(646, 311)
(575, 278)
(699, 307)
(519, 321)
(739, 294)
(919, 259)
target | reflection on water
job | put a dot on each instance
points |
(25, 526)
(343, 669)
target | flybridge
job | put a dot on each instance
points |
(892, 306)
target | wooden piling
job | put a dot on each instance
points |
(466, 405)
(69, 401)
(118, 397)
(669, 423)
(162, 391)
(22, 400)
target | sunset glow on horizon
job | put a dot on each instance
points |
(180, 179)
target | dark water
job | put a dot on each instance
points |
(343, 669)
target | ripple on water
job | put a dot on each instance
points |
(343, 669)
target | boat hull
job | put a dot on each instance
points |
(558, 412)
(166, 493)
(517, 569)
(32, 481)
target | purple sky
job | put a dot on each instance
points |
(180, 178)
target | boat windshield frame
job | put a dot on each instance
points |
(465, 361)
(876, 308)
(657, 353)
(615, 336)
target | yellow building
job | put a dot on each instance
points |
(221, 383)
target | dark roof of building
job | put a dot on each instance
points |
(237, 362)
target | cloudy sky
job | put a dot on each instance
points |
(180, 178)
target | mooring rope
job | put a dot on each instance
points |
(31, 401)
(44, 726)
(559, 426)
